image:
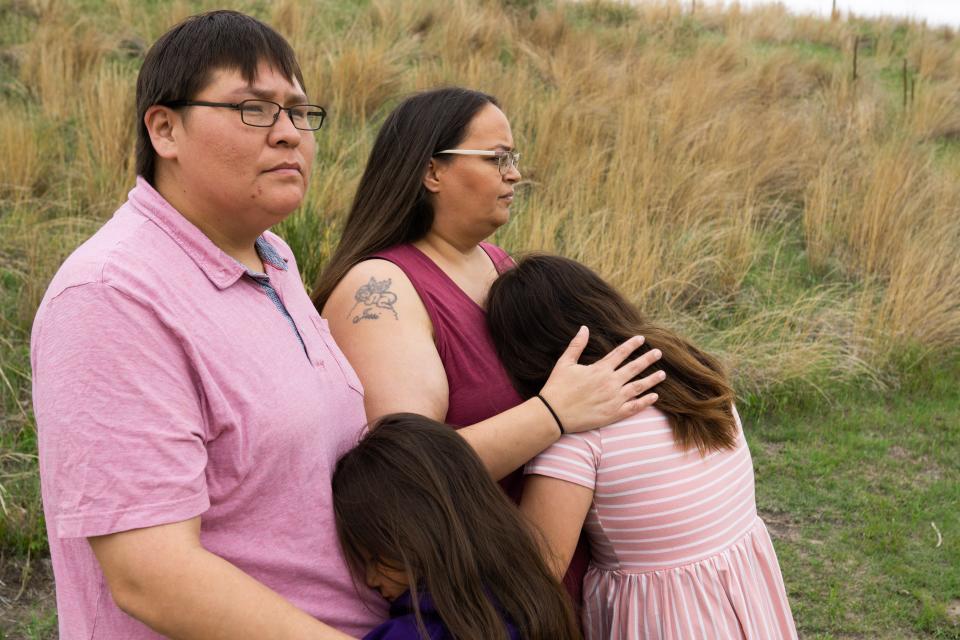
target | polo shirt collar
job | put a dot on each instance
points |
(221, 269)
(269, 255)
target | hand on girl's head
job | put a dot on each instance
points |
(531, 310)
(635, 367)
(594, 395)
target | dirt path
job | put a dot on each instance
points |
(27, 601)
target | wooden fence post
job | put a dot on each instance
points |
(905, 84)
(856, 48)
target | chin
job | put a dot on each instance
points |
(276, 216)
(281, 206)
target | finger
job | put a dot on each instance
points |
(622, 352)
(643, 385)
(634, 407)
(633, 368)
(643, 402)
(571, 354)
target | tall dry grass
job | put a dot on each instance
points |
(24, 154)
(105, 156)
(60, 57)
(681, 156)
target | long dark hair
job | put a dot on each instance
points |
(534, 308)
(391, 206)
(414, 495)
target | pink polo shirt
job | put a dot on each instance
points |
(169, 385)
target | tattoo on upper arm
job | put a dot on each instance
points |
(371, 297)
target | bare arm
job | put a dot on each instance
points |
(396, 359)
(163, 577)
(557, 508)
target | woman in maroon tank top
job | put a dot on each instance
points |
(405, 288)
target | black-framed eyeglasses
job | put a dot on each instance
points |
(505, 159)
(264, 113)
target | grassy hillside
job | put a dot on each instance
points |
(724, 168)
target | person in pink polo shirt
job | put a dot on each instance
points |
(190, 402)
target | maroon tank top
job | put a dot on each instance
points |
(478, 384)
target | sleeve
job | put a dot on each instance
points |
(119, 417)
(574, 457)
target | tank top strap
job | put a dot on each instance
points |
(432, 284)
(500, 258)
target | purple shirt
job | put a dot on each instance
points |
(169, 385)
(403, 622)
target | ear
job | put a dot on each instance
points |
(162, 124)
(431, 179)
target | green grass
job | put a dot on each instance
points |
(38, 625)
(850, 490)
(948, 151)
(805, 49)
(21, 524)
(594, 13)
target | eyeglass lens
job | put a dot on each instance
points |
(507, 160)
(263, 113)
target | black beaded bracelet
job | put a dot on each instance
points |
(553, 413)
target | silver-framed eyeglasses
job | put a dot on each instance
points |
(505, 159)
(264, 113)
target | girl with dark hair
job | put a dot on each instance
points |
(421, 521)
(666, 497)
(404, 290)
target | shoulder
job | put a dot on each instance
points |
(650, 418)
(574, 458)
(586, 446)
(651, 424)
(382, 326)
(115, 262)
(378, 269)
(68, 343)
(376, 283)
(88, 262)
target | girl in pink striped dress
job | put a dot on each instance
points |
(666, 497)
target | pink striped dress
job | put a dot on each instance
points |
(678, 551)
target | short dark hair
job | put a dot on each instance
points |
(181, 62)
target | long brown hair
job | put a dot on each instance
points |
(415, 496)
(391, 206)
(535, 308)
